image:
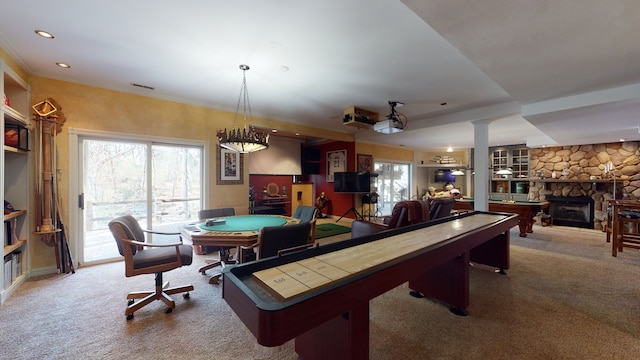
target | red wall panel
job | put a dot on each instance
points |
(340, 203)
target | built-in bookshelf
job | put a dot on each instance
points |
(15, 168)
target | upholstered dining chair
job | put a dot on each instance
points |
(308, 214)
(209, 214)
(276, 240)
(141, 257)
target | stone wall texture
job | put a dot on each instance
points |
(584, 163)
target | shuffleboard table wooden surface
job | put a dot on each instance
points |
(325, 302)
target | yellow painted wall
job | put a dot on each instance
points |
(13, 65)
(97, 109)
(380, 152)
(428, 157)
(306, 196)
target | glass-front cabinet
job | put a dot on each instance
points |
(520, 163)
(514, 186)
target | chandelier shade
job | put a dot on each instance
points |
(247, 139)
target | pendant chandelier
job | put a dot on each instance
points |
(244, 140)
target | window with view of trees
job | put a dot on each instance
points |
(159, 184)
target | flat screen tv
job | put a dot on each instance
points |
(352, 182)
(444, 176)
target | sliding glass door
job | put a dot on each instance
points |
(393, 184)
(160, 184)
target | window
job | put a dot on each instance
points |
(392, 184)
(158, 181)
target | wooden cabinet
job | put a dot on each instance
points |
(15, 168)
(359, 117)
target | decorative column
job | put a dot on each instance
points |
(481, 165)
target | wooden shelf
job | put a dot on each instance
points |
(13, 116)
(47, 232)
(442, 166)
(575, 180)
(360, 118)
(358, 124)
(14, 214)
(13, 247)
(12, 149)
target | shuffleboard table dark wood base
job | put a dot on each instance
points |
(332, 321)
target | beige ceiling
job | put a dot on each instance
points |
(546, 72)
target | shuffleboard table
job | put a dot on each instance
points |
(320, 296)
(526, 210)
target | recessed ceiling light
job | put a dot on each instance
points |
(449, 149)
(44, 34)
(623, 140)
(63, 65)
(143, 86)
(274, 130)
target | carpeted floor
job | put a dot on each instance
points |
(564, 297)
(326, 230)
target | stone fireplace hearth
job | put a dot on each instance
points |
(576, 211)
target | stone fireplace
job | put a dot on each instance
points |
(585, 171)
(576, 211)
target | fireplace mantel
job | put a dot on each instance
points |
(607, 181)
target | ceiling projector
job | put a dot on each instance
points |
(395, 122)
(388, 126)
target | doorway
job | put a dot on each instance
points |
(158, 181)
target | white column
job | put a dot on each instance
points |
(481, 165)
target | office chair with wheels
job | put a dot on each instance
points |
(141, 257)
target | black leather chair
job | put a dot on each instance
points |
(404, 213)
(141, 257)
(275, 240)
(440, 207)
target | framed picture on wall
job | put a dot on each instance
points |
(365, 163)
(230, 167)
(336, 162)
